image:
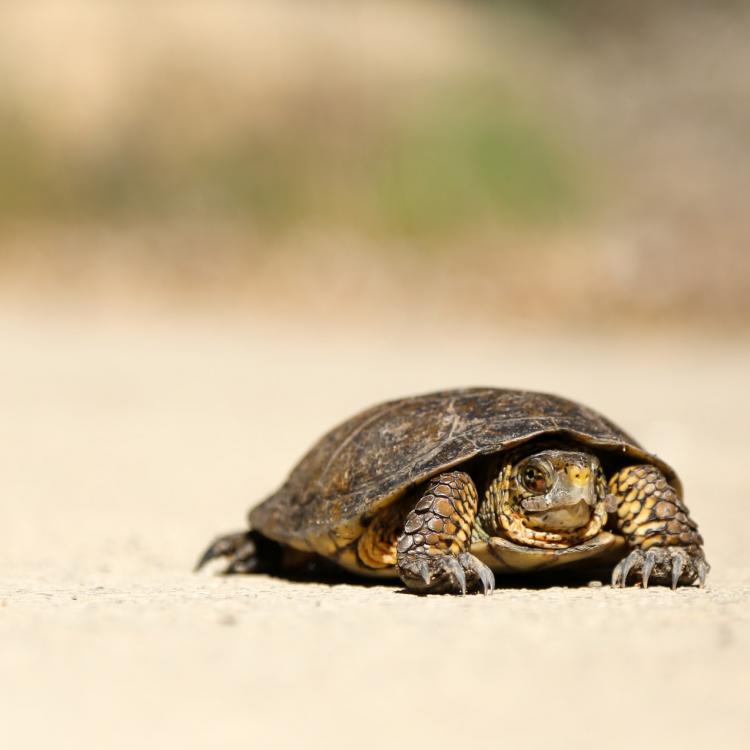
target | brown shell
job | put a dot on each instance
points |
(371, 459)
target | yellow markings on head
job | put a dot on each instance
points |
(580, 476)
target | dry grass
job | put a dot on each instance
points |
(548, 165)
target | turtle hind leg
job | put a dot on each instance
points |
(432, 551)
(245, 552)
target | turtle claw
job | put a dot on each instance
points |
(703, 568)
(446, 574)
(224, 546)
(423, 571)
(456, 574)
(667, 565)
(479, 571)
(245, 552)
(623, 568)
(678, 563)
(648, 566)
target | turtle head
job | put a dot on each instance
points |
(550, 498)
(556, 490)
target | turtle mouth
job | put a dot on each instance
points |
(560, 518)
(543, 503)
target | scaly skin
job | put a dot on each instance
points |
(376, 548)
(656, 523)
(432, 554)
(501, 504)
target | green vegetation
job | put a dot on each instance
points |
(469, 161)
(447, 163)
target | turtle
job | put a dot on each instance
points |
(444, 490)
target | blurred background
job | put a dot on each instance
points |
(535, 161)
(226, 226)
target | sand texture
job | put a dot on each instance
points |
(127, 443)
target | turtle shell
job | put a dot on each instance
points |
(375, 457)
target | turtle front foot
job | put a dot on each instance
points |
(245, 552)
(446, 574)
(665, 565)
(431, 553)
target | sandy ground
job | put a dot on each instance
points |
(127, 442)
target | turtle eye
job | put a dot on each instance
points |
(534, 479)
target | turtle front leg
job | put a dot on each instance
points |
(432, 556)
(655, 521)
